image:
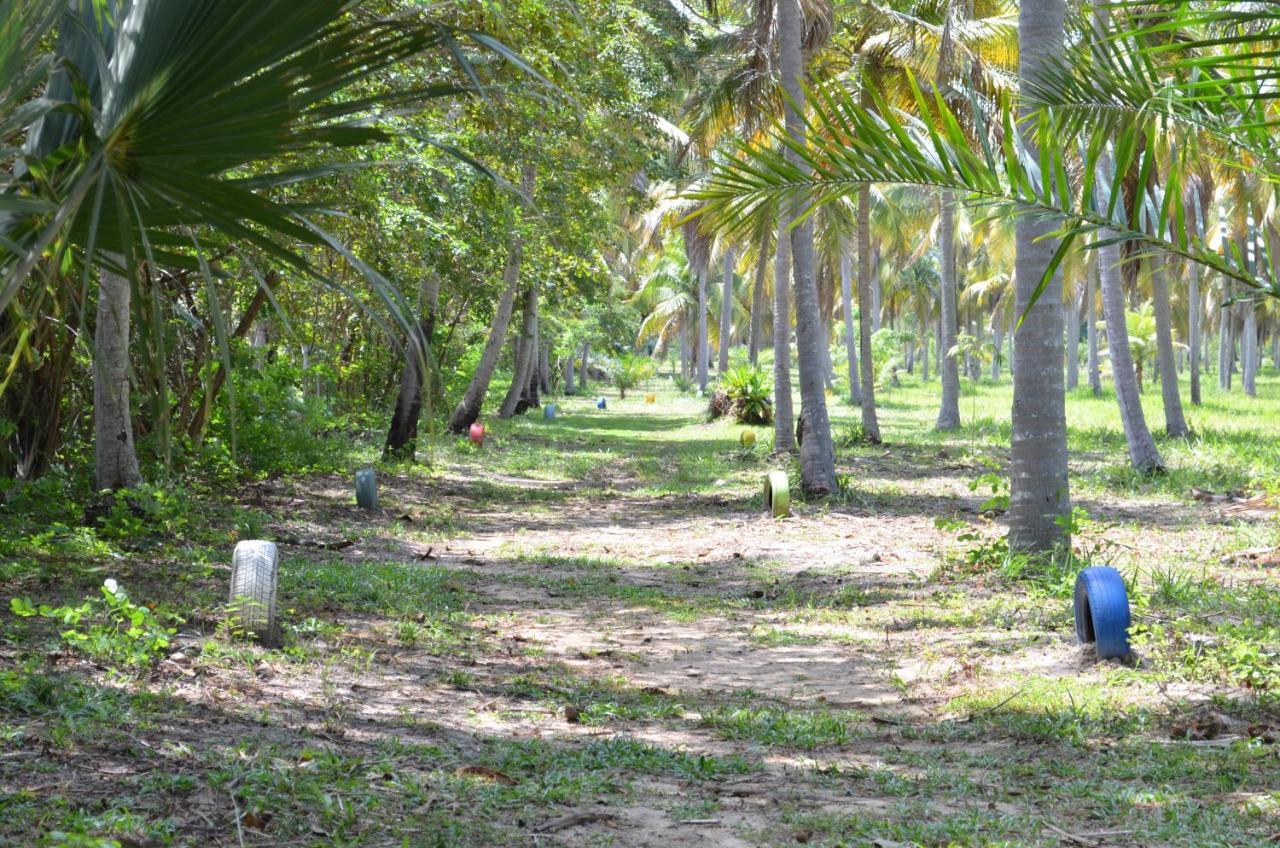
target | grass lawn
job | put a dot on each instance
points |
(588, 632)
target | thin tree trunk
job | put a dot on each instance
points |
(1091, 328)
(115, 458)
(757, 301)
(924, 350)
(783, 415)
(468, 409)
(949, 409)
(866, 308)
(1175, 424)
(568, 374)
(997, 335)
(1226, 343)
(846, 303)
(526, 356)
(582, 372)
(544, 367)
(1038, 458)
(704, 344)
(726, 313)
(1073, 343)
(402, 436)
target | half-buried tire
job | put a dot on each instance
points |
(254, 565)
(367, 489)
(1102, 611)
(777, 494)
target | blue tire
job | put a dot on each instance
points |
(366, 489)
(601, 403)
(1102, 611)
(549, 411)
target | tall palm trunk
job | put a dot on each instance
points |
(1175, 424)
(726, 313)
(468, 409)
(1091, 330)
(403, 434)
(704, 344)
(1073, 342)
(1193, 329)
(1142, 449)
(115, 458)
(846, 303)
(527, 355)
(866, 308)
(783, 416)
(757, 303)
(817, 453)
(1038, 456)
(949, 410)
(1249, 352)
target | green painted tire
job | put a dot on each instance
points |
(367, 489)
(777, 494)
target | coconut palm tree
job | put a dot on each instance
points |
(817, 453)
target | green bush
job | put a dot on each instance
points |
(748, 389)
(111, 629)
(630, 371)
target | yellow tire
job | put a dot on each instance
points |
(777, 494)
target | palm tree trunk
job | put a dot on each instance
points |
(783, 417)
(468, 409)
(949, 410)
(1038, 457)
(757, 302)
(846, 303)
(726, 313)
(704, 345)
(1175, 424)
(526, 355)
(403, 434)
(115, 458)
(1073, 343)
(866, 308)
(1249, 349)
(1193, 329)
(817, 453)
(1091, 330)
(1142, 450)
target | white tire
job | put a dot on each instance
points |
(254, 566)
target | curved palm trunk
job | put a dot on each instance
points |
(866, 308)
(704, 345)
(783, 416)
(1174, 422)
(1142, 449)
(846, 303)
(115, 458)
(1038, 456)
(1193, 329)
(526, 357)
(757, 302)
(949, 411)
(726, 313)
(402, 436)
(468, 409)
(817, 454)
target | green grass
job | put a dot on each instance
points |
(987, 755)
